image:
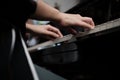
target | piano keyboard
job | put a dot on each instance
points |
(50, 43)
(102, 27)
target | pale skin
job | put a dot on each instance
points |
(46, 31)
(46, 12)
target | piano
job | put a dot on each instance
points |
(101, 29)
(89, 55)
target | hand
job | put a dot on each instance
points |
(46, 31)
(46, 12)
(76, 20)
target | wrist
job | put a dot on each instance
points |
(62, 19)
(58, 17)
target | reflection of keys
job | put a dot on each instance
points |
(51, 43)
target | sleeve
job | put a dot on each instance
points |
(33, 6)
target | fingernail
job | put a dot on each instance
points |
(92, 27)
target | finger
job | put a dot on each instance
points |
(73, 31)
(60, 34)
(88, 20)
(86, 25)
(55, 30)
(52, 34)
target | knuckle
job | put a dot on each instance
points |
(48, 25)
(78, 15)
(91, 19)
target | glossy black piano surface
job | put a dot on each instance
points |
(97, 56)
(100, 10)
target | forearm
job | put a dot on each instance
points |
(46, 12)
